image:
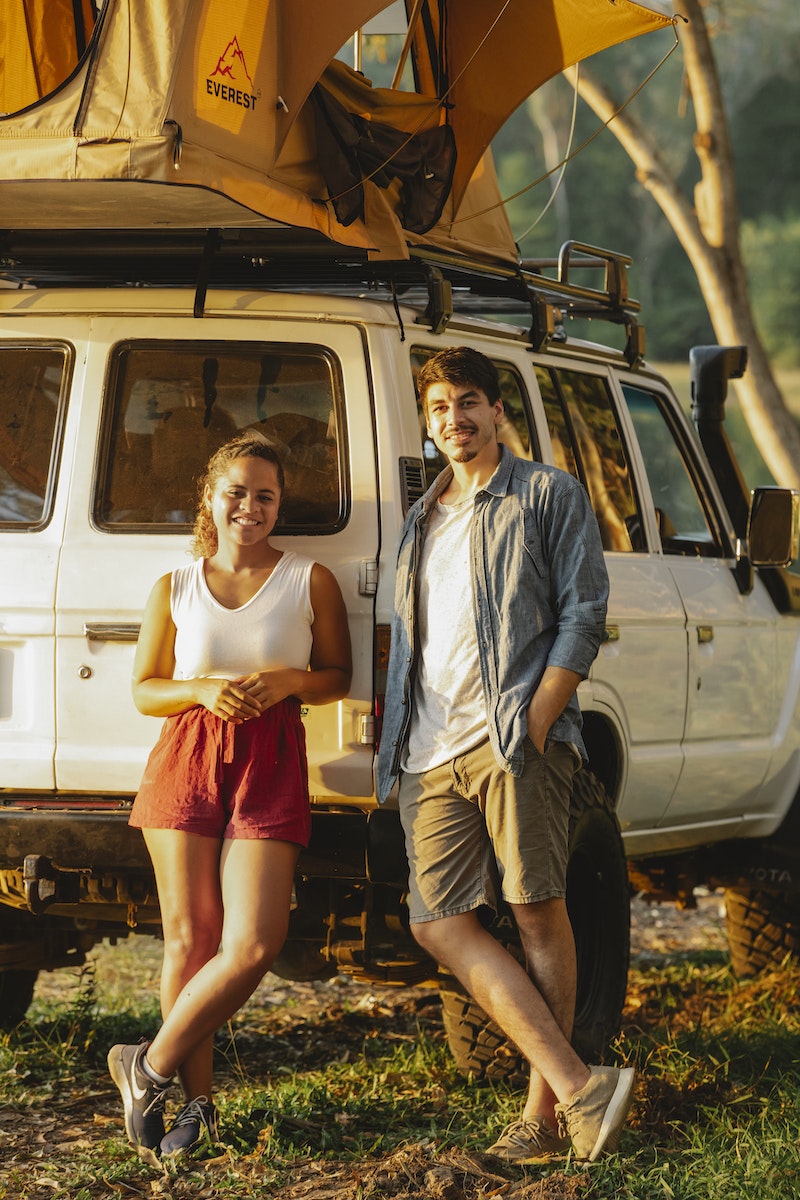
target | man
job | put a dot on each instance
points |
(499, 613)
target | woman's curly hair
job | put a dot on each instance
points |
(249, 444)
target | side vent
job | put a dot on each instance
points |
(412, 481)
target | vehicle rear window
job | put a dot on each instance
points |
(171, 405)
(34, 382)
(587, 442)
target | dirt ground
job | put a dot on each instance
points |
(41, 1137)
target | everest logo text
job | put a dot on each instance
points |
(230, 80)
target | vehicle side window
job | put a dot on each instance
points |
(563, 451)
(34, 382)
(683, 520)
(514, 430)
(587, 442)
(171, 405)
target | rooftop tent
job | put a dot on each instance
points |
(198, 113)
(484, 57)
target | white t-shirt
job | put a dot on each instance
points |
(273, 629)
(449, 712)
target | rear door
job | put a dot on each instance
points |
(155, 409)
(639, 678)
(35, 375)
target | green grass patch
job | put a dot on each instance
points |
(354, 1101)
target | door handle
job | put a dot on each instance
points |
(110, 631)
(705, 634)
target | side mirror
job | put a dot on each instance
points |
(773, 527)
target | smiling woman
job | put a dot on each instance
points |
(229, 648)
(244, 489)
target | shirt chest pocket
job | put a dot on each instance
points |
(533, 551)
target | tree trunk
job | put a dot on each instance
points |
(708, 230)
(552, 157)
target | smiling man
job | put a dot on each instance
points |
(500, 609)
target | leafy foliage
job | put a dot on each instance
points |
(602, 203)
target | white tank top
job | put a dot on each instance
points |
(273, 629)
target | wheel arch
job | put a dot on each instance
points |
(604, 745)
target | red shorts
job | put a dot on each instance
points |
(207, 776)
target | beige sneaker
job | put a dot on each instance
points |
(531, 1141)
(596, 1114)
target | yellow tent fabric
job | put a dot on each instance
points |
(497, 52)
(193, 113)
(41, 42)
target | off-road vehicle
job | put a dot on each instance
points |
(211, 222)
(127, 357)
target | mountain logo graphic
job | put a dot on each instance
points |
(231, 65)
(230, 80)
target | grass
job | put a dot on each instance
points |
(355, 1097)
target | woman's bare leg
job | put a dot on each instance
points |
(256, 885)
(187, 873)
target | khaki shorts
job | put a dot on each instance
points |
(474, 832)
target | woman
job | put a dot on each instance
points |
(229, 648)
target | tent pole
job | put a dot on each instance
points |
(412, 27)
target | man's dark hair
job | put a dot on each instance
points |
(463, 366)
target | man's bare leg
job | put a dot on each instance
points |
(502, 987)
(547, 938)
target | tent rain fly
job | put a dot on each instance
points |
(199, 113)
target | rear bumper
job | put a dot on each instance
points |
(96, 840)
(76, 838)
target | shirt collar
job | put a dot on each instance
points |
(496, 486)
(499, 482)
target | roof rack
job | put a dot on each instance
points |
(279, 258)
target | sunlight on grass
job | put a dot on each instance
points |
(371, 1102)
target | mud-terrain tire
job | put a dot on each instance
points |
(16, 993)
(763, 928)
(598, 900)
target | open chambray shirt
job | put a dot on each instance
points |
(540, 590)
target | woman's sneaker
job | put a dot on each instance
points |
(142, 1097)
(196, 1122)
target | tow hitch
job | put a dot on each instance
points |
(47, 884)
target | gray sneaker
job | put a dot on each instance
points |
(142, 1097)
(531, 1141)
(594, 1117)
(195, 1123)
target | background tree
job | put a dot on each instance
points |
(694, 183)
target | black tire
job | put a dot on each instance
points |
(478, 1046)
(763, 929)
(16, 993)
(598, 902)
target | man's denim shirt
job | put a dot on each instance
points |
(540, 590)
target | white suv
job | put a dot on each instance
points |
(124, 362)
